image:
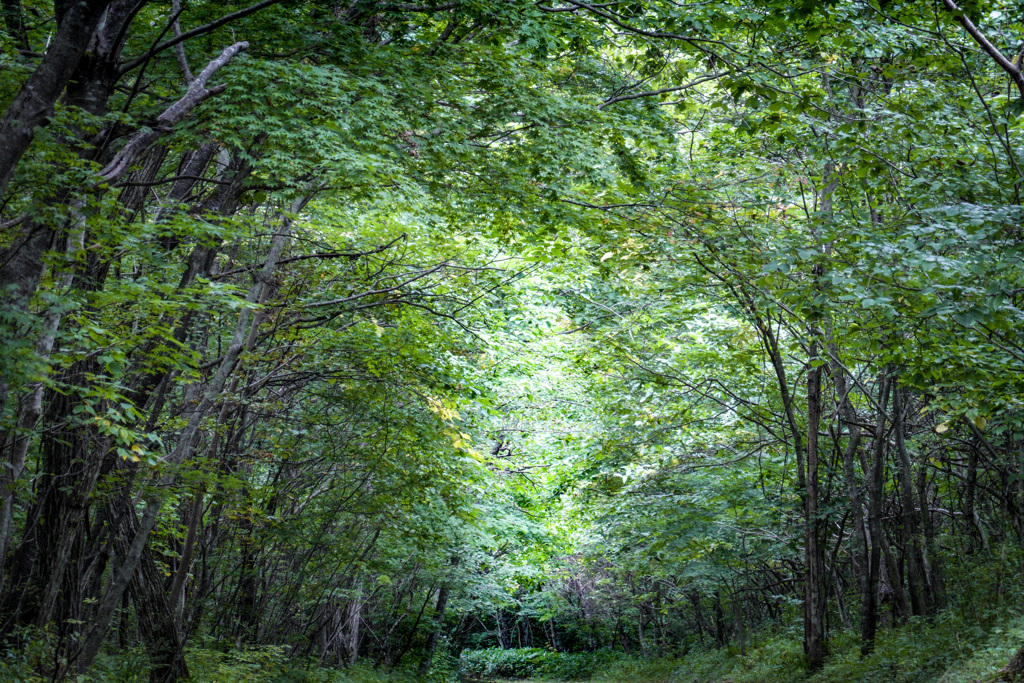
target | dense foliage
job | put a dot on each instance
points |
(358, 336)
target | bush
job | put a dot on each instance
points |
(248, 666)
(534, 662)
(623, 668)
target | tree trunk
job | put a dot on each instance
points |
(719, 620)
(33, 105)
(122, 575)
(814, 578)
(916, 581)
(876, 475)
(50, 566)
(861, 557)
(1013, 672)
(698, 615)
(975, 533)
(435, 631)
(156, 617)
(353, 620)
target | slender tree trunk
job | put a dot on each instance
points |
(814, 579)
(175, 597)
(862, 559)
(741, 625)
(353, 621)
(698, 614)
(719, 620)
(916, 581)
(876, 476)
(970, 496)
(245, 603)
(1018, 495)
(122, 575)
(156, 618)
(31, 413)
(50, 567)
(436, 624)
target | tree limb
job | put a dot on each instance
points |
(1000, 59)
(196, 94)
(654, 93)
(199, 30)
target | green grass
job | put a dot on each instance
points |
(947, 649)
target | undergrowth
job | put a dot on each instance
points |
(533, 662)
(969, 642)
(267, 664)
(950, 648)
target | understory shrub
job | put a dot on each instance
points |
(623, 668)
(534, 662)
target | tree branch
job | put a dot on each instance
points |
(614, 18)
(655, 93)
(196, 94)
(373, 292)
(172, 179)
(179, 49)
(326, 255)
(408, 7)
(1007, 66)
(199, 30)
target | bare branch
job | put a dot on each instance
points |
(326, 255)
(654, 93)
(179, 49)
(383, 290)
(407, 7)
(614, 18)
(1007, 66)
(172, 179)
(199, 30)
(196, 94)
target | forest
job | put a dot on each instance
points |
(368, 341)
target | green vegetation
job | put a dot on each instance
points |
(369, 340)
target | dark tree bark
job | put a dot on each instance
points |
(814, 560)
(970, 497)
(246, 594)
(94, 83)
(33, 105)
(156, 618)
(719, 621)
(698, 615)
(436, 624)
(88, 84)
(876, 476)
(1013, 672)
(920, 603)
(853, 491)
(51, 565)
(123, 574)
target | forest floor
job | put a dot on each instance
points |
(951, 647)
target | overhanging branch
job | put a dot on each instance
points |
(986, 45)
(196, 94)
